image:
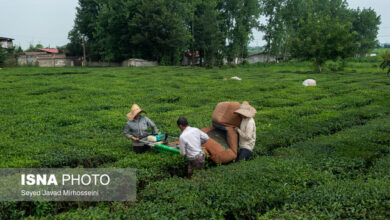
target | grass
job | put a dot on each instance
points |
(313, 144)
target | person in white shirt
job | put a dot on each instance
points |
(247, 130)
(191, 140)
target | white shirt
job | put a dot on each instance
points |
(191, 140)
(247, 132)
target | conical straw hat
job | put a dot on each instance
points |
(135, 109)
(246, 110)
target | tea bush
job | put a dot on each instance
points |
(153, 166)
(343, 175)
(308, 138)
(235, 191)
(352, 199)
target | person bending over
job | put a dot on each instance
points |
(191, 140)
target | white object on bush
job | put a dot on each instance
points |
(309, 82)
(236, 78)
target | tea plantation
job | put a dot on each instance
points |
(321, 152)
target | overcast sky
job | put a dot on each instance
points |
(49, 21)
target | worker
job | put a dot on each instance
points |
(246, 131)
(191, 140)
(137, 125)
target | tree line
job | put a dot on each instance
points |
(165, 30)
(318, 30)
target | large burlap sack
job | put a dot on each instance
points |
(216, 151)
(232, 139)
(224, 114)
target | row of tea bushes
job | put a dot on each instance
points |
(328, 177)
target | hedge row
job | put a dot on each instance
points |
(80, 112)
(75, 117)
(234, 191)
(303, 181)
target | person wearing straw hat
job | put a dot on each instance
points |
(136, 128)
(247, 130)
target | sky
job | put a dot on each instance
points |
(48, 21)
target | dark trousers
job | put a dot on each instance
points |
(141, 149)
(198, 164)
(245, 154)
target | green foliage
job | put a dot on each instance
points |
(353, 199)
(17, 51)
(208, 37)
(2, 57)
(284, 22)
(115, 30)
(35, 48)
(237, 191)
(159, 31)
(309, 139)
(8, 57)
(84, 28)
(386, 61)
(239, 18)
(153, 166)
(323, 38)
(370, 59)
(323, 177)
(366, 24)
(334, 66)
(275, 28)
(111, 38)
(75, 46)
(164, 30)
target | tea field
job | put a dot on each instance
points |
(321, 152)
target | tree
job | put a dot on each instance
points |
(84, 28)
(283, 20)
(33, 48)
(239, 18)
(275, 30)
(75, 46)
(159, 31)
(18, 50)
(207, 35)
(112, 33)
(322, 38)
(366, 24)
(162, 30)
(86, 14)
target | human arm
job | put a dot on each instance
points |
(152, 125)
(250, 130)
(203, 137)
(127, 134)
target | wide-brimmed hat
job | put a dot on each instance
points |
(135, 109)
(246, 110)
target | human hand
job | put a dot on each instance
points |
(134, 138)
